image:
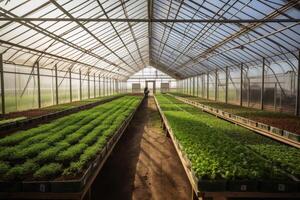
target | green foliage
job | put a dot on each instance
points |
(67, 144)
(51, 153)
(71, 153)
(48, 171)
(213, 153)
(283, 156)
(4, 167)
(19, 171)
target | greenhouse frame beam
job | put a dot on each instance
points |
(244, 30)
(241, 85)
(56, 84)
(207, 95)
(216, 85)
(117, 33)
(262, 84)
(226, 84)
(298, 87)
(39, 84)
(55, 3)
(64, 41)
(99, 85)
(89, 92)
(221, 21)
(60, 57)
(70, 82)
(150, 8)
(94, 85)
(2, 84)
(80, 86)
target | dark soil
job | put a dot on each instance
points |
(144, 164)
(289, 124)
(27, 113)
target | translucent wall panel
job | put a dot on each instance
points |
(92, 95)
(212, 85)
(47, 81)
(75, 87)
(234, 85)
(253, 82)
(20, 88)
(102, 86)
(63, 87)
(84, 87)
(221, 86)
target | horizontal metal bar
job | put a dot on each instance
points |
(60, 57)
(154, 20)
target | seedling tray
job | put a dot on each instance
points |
(242, 186)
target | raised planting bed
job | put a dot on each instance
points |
(221, 157)
(281, 120)
(264, 129)
(52, 112)
(61, 159)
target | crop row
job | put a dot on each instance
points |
(64, 147)
(220, 150)
(284, 156)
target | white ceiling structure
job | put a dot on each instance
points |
(117, 38)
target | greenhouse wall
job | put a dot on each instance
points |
(245, 85)
(21, 87)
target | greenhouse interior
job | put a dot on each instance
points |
(156, 99)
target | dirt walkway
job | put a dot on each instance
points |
(144, 164)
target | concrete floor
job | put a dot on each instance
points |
(144, 164)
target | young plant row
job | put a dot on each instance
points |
(220, 150)
(64, 147)
(282, 155)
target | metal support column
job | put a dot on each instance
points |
(2, 84)
(89, 92)
(207, 89)
(297, 111)
(241, 86)
(39, 84)
(80, 86)
(94, 85)
(197, 86)
(70, 77)
(226, 85)
(216, 85)
(106, 83)
(262, 85)
(56, 84)
(99, 82)
(193, 86)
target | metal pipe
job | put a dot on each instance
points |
(39, 84)
(298, 87)
(216, 85)
(262, 85)
(207, 93)
(80, 86)
(56, 84)
(99, 82)
(241, 86)
(70, 79)
(2, 84)
(226, 85)
(94, 85)
(89, 94)
(221, 21)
